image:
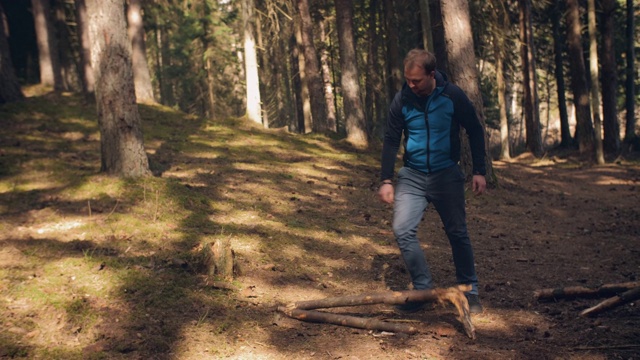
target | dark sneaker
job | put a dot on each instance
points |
(474, 304)
(410, 307)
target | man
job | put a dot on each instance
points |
(430, 111)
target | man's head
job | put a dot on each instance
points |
(419, 71)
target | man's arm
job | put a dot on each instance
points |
(390, 147)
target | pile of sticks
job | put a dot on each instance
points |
(306, 310)
(619, 294)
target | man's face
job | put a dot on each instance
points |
(421, 83)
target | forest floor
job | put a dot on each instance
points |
(96, 267)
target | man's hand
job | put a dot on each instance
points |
(479, 184)
(385, 192)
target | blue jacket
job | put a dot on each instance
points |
(432, 137)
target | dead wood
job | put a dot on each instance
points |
(347, 320)
(624, 298)
(454, 295)
(219, 259)
(582, 291)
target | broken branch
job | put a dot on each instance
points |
(582, 291)
(624, 298)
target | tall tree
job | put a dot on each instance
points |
(579, 87)
(254, 108)
(630, 100)
(141, 76)
(611, 141)
(69, 73)
(47, 45)
(595, 81)
(375, 97)
(86, 70)
(332, 123)
(530, 81)
(462, 65)
(9, 86)
(354, 114)
(121, 141)
(312, 69)
(500, 19)
(301, 80)
(425, 20)
(395, 77)
(565, 130)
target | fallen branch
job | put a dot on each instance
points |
(453, 295)
(346, 320)
(582, 291)
(624, 298)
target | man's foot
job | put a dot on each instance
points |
(410, 307)
(474, 304)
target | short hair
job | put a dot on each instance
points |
(421, 58)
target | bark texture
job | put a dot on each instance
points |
(141, 75)
(463, 71)
(611, 140)
(121, 141)
(354, 114)
(584, 126)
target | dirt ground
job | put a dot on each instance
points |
(123, 280)
(545, 226)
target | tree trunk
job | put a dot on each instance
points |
(439, 41)
(624, 298)
(611, 142)
(502, 102)
(9, 86)
(141, 76)
(326, 79)
(530, 81)
(86, 70)
(254, 109)
(595, 81)
(356, 126)
(425, 20)
(312, 70)
(305, 118)
(374, 90)
(462, 64)
(579, 87)
(47, 45)
(582, 291)
(565, 130)
(394, 62)
(121, 141)
(630, 92)
(69, 68)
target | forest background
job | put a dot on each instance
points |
(555, 82)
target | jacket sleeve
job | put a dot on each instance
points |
(470, 122)
(392, 138)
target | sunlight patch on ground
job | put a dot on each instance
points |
(59, 226)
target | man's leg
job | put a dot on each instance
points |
(446, 191)
(409, 206)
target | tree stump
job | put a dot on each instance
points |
(220, 259)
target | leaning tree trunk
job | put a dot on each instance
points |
(121, 141)
(565, 129)
(9, 85)
(579, 87)
(47, 45)
(462, 64)
(312, 70)
(611, 142)
(630, 99)
(141, 76)
(530, 82)
(354, 114)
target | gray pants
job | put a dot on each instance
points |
(413, 193)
